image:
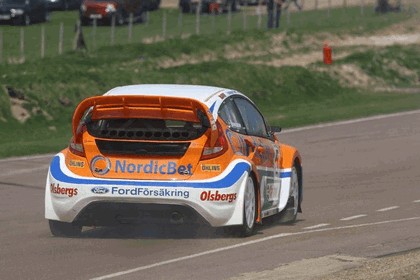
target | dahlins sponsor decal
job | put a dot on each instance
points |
(216, 196)
(56, 189)
(77, 163)
(150, 192)
(211, 167)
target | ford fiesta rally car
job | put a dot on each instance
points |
(181, 153)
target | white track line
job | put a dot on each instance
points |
(23, 171)
(353, 217)
(416, 201)
(379, 117)
(27, 158)
(387, 209)
(243, 244)
(316, 226)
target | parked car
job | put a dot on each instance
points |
(208, 6)
(104, 10)
(179, 153)
(23, 12)
(64, 4)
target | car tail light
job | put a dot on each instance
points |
(76, 145)
(219, 147)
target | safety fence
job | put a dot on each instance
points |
(63, 33)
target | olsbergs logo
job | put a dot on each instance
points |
(210, 196)
(99, 190)
(56, 189)
(101, 165)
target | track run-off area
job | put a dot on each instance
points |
(361, 200)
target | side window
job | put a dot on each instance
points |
(254, 121)
(231, 116)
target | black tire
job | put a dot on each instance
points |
(119, 19)
(154, 5)
(26, 20)
(47, 16)
(185, 6)
(63, 229)
(289, 213)
(84, 21)
(249, 209)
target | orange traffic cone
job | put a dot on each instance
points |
(327, 54)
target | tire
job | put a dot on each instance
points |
(63, 229)
(185, 6)
(84, 21)
(119, 19)
(47, 17)
(289, 214)
(26, 20)
(250, 209)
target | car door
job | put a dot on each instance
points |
(265, 154)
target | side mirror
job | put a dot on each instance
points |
(275, 129)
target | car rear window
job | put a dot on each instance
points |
(145, 129)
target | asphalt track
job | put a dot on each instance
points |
(362, 198)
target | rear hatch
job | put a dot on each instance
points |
(142, 137)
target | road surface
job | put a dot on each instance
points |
(361, 200)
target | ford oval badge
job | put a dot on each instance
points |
(99, 190)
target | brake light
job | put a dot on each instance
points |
(76, 145)
(219, 147)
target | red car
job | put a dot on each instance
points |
(104, 10)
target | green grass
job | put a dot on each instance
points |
(288, 96)
(386, 62)
(340, 20)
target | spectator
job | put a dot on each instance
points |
(274, 13)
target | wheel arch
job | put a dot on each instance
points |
(257, 187)
(291, 157)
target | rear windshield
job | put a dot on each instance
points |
(145, 129)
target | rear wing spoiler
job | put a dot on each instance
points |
(148, 107)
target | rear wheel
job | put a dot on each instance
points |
(26, 20)
(289, 214)
(247, 227)
(63, 229)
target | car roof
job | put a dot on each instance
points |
(197, 92)
(209, 95)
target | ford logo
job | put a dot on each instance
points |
(99, 190)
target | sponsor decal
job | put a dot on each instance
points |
(211, 167)
(100, 165)
(216, 196)
(77, 163)
(222, 96)
(99, 190)
(56, 189)
(150, 192)
(237, 143)
(153, 167)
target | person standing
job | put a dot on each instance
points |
(274, 13)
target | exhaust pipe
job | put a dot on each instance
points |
(176, 218)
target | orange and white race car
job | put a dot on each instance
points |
(181, 153)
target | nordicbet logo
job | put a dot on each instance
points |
(101, 165)
(153, 167)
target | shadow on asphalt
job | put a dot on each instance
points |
(169, 231)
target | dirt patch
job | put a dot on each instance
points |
(401, 266)
(18, 111)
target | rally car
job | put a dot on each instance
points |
(175, 153)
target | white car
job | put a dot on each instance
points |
(180, 153)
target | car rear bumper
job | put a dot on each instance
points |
(93, 201)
